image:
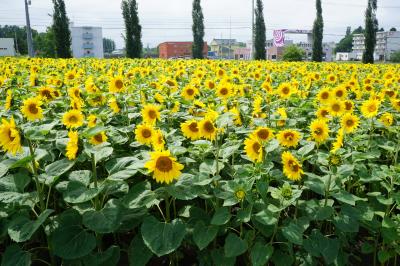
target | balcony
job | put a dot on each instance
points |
(88, 55)
(88, 46)
(87, 36)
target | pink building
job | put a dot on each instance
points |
(242, 54)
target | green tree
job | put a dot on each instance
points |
(198, 30)
(371, 27)
(293, 53)
(318, 31)
(345, 45)
(393, 29)
(19, 36)
(44, 44)
(62, 34)
(260, 39)
(108, 45)
(133, 37)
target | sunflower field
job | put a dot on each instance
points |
(198, 162)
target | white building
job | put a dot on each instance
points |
(87, 42)
(7, 47)
(341, 56)
(387, 42)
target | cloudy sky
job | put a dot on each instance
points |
(170, 20)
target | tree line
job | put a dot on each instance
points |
(56, 41)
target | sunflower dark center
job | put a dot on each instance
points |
(209, 127)
(372, 108)
(33, 108)
(98, 137)
(119, 84)
(190, 92)
(193, 127)
(10, 135)
(224, 91)
(349, 122)
(339, 93)
(263, 134)
(164, 164)
(146, 133)
(288, 136)
(318, 131)
(325, 95)
(152, 114)
(73, 119)
(256, 147)
(285, 90)
(336, 107)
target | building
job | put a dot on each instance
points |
(225, 48)
(242, 53)
(87, 42)
(387, 42)
(7, 47)
(328, 51)
(345, 56)
(173, 50)
(275, 53)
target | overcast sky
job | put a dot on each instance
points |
(170, 20)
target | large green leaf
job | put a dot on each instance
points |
(77, 192)
(138, 253)
(104, 221)
(110, 257)
(293, 233)
(139, 196)
(261, 253)
(59, 167)
(203, 235)
(15, 256)
(234, 246)
(221, 216)
(70, 240)
(162, 238)
(15, 182)
(22, 228)
(319, 245)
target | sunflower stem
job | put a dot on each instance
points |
(94, 172)
(328, 187)
(35, 176)
(167, 209)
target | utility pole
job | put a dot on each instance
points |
(28, 30)
(252, 30)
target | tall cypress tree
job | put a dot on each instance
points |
(371, 27)
(318, 31)
(260, 39)
(133, 38)
(62, 34)
(198, 30)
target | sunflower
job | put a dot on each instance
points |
(74, 92)
(396, 104)
(324, 96)
(370, 108)
(72, 145)
(9, 99)
(340, 92)
(46, 93)
(76, 103)
(224, 90)
(336, 107)
(190, 129)
(349, 122)
(164, 167)
(113, 104)
(263, 134)
(207, 129)
(73, 119)
(288, 138)
(92, 120)
(285, 90)
(322, 113)
(331, 79)
(319, 130)
(189, 93)
(144, 134)
(151, 113)
(96, 99)
(176, 107)
(338, 142)
(386, 119)
(158, 141)
(31, 109)
(99, 138)
(291, 166)
(253, 148)
(10, 139)
(237, 120)
(348, 106)
(210, 84)
(116, 84)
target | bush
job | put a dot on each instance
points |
(293, 53)
(395, 57)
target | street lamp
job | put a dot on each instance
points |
(28, 30)
(252, 30)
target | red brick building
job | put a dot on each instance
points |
(178, 50)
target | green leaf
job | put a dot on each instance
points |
(234, 246)
(109, 257)
(162, 238)
(124, 168)
(221, 216)
(260, 254)
(210, 167)
(104, 221)
(228, 151)
(203, 235)
(293, 233)
(345, 170)
(77, 192)
(319, 245)
(225, 120)
(139, 196)
(15, 256)
(138, 253)
(70, 241)
(5, 166)
(346, 197)
(303, 151)
(58, 168)
(15, 182)
(82, 176)
(383, 256)
(103, 153)
(22, 228)
(220, 259)
(346, 223)
(266, 217)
